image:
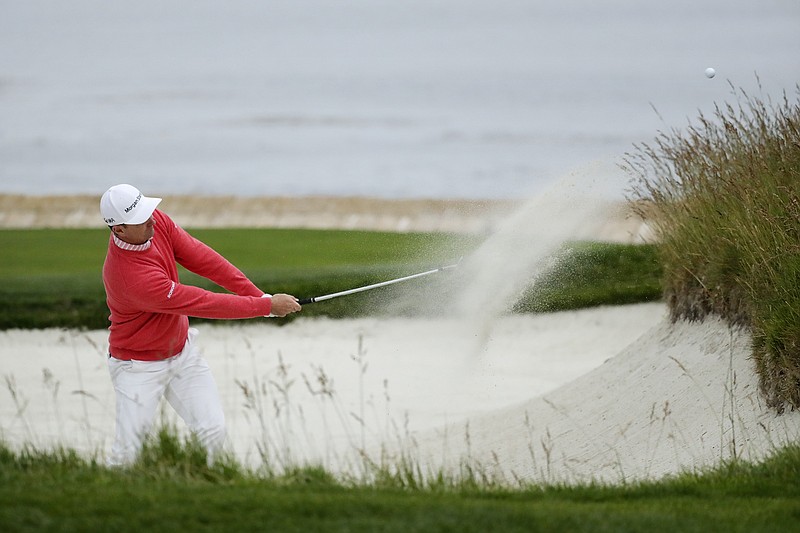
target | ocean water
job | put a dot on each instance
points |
(393, 99)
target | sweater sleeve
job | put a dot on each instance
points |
(203, 260)
(159, 294)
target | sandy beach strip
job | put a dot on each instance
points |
(317, 212)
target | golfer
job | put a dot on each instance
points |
(153, 352)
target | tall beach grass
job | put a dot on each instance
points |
(723, 196)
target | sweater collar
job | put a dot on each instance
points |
(132, 247)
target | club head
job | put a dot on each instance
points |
(454, 265)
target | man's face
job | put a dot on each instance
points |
(136, 233)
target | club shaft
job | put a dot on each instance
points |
(305, 301)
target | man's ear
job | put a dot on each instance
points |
(118, 230)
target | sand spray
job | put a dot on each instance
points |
(524, 246)
(518, 249)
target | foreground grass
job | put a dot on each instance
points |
(172, 489)
(51, 278)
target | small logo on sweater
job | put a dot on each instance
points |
(171, 290)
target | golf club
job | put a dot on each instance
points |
(305, 301)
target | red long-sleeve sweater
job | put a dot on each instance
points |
(150, 307)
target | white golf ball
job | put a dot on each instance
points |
(710, 72)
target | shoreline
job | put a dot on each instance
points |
(313, 212)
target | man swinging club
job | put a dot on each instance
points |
(152, 350)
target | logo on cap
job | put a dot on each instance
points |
(133, 205)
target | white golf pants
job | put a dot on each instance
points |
(185, 381)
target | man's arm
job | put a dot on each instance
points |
(159, 294)
(198, 257)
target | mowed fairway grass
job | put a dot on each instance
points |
(52, 277)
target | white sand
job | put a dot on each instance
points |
(431, 370)
(610, 393)
(683, 397)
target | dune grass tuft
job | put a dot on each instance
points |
(724, 198)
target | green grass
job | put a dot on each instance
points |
(725, 199)
(593, 274)
(173, 489)
(51, 278)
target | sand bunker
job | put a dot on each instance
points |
(610, 393)
(683, 397)
(314, 378)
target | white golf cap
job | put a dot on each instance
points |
(124, 204)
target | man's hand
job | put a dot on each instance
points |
(284, 304)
